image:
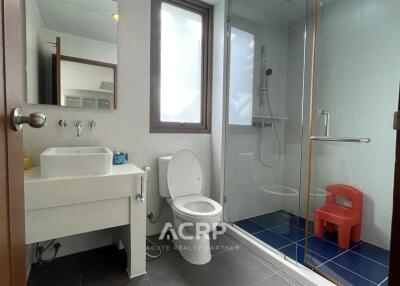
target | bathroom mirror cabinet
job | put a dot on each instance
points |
(71, 53)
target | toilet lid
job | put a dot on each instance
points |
(185, 175)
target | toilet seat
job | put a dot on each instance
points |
(197, 206)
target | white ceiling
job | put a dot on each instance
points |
(84, 18)
(268, 12)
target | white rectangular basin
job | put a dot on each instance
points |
(75, 161)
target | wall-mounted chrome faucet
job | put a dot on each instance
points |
(78, 125)
(92, 125)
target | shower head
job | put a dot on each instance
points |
(268, 72)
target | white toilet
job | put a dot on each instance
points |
(181, 181)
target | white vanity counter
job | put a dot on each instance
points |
(33, 175)
(63, 206)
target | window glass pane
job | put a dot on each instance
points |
(241, 77)
(181, 65)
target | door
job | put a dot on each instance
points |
(12, 228)
(263, 126)
(350, 201)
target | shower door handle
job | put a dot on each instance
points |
(341, 139)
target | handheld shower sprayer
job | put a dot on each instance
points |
(265, 73)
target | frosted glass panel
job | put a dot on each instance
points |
(241, 77)
(181, 65)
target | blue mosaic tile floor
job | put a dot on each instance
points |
(363, 264)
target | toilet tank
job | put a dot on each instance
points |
(162, 176)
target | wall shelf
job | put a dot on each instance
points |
(266, 120)
(268, 117)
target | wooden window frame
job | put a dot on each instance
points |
(206, 12)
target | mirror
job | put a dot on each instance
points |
(71, 53)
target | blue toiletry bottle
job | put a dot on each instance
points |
(120, 158)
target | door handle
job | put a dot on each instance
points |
(35, 120)
(341, 139)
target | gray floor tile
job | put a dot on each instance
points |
(104, 266)
(291, 279)
(62, 271)
(107, 266)
(259, 258)
(274, 280)
(236, 268)
(162, 242)
(167, 262)
(223, 243)
(183, 275)
(142, 282)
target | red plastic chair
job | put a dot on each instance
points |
(347, 219)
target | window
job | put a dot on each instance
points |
(181, 46)
(241, 77)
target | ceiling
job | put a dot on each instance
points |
(268, 12)
(84, 18)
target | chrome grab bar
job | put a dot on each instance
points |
(341, 139)
(140, 197)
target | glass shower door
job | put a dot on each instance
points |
(263, 139)
(352, 144)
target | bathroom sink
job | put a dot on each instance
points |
(75, 161)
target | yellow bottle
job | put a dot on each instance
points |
(27, 162)
(28, 159)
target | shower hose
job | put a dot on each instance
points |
(261, 138)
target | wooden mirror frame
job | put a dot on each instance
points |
(60, 58)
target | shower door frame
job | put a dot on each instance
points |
(394, 263)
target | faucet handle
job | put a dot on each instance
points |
(62, 123)
(78, 125)
(92, 125)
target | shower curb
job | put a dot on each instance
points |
(305, 276)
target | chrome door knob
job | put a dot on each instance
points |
(35, 120)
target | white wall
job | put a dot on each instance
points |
(34, 24)
(79, 47)
(126, 128)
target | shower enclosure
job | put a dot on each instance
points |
(264, 129)
(311, 90)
